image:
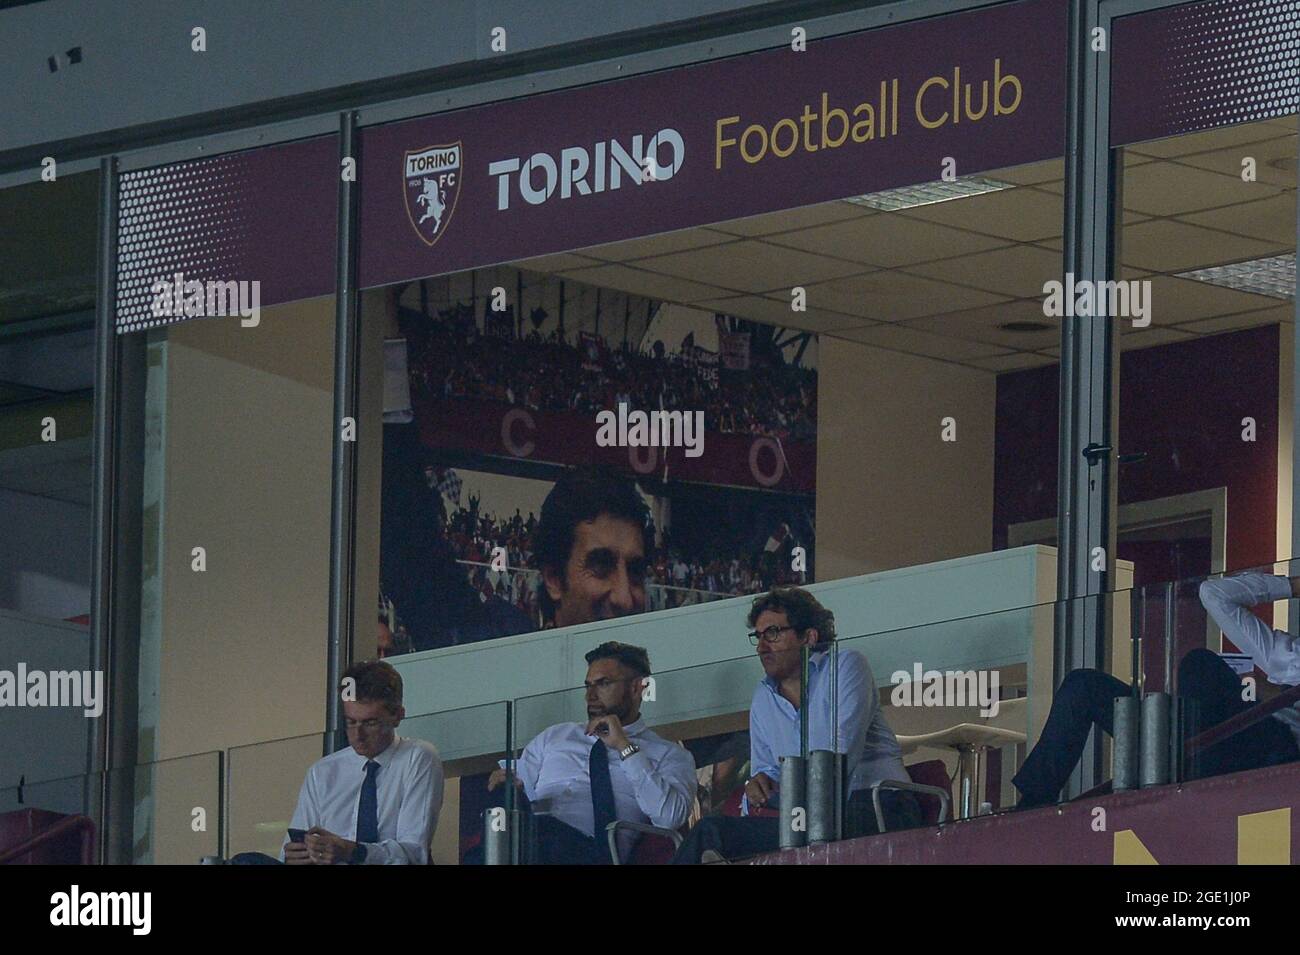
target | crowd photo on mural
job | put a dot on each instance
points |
(500, 415)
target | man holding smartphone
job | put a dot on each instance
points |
(374, 803)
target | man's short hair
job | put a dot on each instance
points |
(376, 682)
(801, 609)
(634, 658)
(583, 494)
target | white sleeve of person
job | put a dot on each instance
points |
(665, 791)
(1229, 599)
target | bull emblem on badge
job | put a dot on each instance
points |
(434, 201)
(432, 186)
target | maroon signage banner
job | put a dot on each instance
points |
(1201, 65)
(267, 216)
(753, 461)
(758, 133)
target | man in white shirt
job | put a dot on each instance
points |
(579, 777)
(1087, 696)
(376, 802)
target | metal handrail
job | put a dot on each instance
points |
(1235, 724)
(84, 824)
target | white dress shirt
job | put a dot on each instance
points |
(408, 791)
(1276, 652)
(655, 786)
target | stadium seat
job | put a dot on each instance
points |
(39, 837)
(932, 787)
(655, 847)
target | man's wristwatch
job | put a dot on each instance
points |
(628, 750)
(358, 856)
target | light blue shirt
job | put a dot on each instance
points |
(1276, 652)
(872, 749)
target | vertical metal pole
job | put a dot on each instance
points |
(1293, 606)
(223, 807)
(104, 502)
(803, 703)
(1171, 621)
(347, 372)
(840, 783)
(510, 757)
(1153, 760)
(793, 797)
(1088, 382)
(1137, 618)
(1124, 748)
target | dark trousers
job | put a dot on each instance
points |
(735, 837)
(254, 858)
(1087, 697)
(551, 842)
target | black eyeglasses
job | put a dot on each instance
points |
(769, 635)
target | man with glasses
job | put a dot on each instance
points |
(784, 621)
(377, 801)
(580, 777)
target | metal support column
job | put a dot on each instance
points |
(347, 373)
(1088, 383)
(104, 501)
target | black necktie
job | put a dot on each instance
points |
(368, 807)
(602, 795)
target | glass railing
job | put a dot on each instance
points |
(965, 697)
(264, 780)
(164, 812)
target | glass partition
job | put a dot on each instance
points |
(171, 812)
(1206, 316)
(966, 699)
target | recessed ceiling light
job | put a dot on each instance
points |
(1026, 327)
(1273, 276)
(928, 193)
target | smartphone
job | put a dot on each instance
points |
(297, 835)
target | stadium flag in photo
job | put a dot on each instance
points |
(500, 324)
(593, 351)
(734, 348)
(777, 540)
(449, 486)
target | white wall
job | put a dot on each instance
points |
(890, 493)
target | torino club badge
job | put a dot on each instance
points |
(432, 187)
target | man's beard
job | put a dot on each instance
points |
(620, 711)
